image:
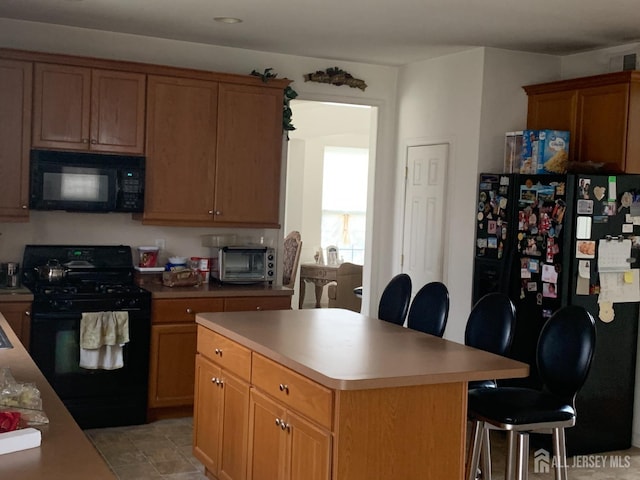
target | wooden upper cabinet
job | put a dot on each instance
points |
(249, 155)
(15, 125)
(181, 150)
(602, 113)
(214, 152)
(79, 108)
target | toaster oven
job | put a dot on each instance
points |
(243, 264)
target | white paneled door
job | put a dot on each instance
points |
(423, 240)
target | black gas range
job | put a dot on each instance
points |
(89, 278)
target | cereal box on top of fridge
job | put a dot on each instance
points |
(529, 157)
(553, 151)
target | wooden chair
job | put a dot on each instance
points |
(340, 292)
(292, 248)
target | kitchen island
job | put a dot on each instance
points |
(356, 398)
(65, 453)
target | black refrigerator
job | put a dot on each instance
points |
(540, 239)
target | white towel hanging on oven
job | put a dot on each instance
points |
(102, 336)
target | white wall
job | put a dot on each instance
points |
(46, 228)
(468, 99)
(440, 101)
(596, 62)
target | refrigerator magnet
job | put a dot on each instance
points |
(549, 273)
(610, 208)
(585, 249)
(606, 312)
(549, 290)
(599, 192)
(584, 185)
(525, 273)
(532, 286)
(528, 195)
(585, 207)
(627, 228)
(612, 189)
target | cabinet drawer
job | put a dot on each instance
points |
(224, 352)
(178, 310)
(243, 304)
(294, 390)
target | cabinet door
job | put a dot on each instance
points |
(555, 111)
(117, 111)
(19, 319)
(267, 441)
(181, 149)
(207, 414)
(15, 128)
(249, 155)
(602, 124)
(171, 370)
(241, 304)
(235, 424)
(309, 450)
(61, 107)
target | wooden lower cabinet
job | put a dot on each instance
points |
(18, 316)
(284, 445)
(171, 369)
(172, 356)
(220, 421)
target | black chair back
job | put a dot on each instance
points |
(565, 350)
(491, 324)
(430, 309)
(394, 302)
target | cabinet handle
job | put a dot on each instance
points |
(284, 388)
(27, 313)
(210, 212)
(258, 307)
(220, 382)
(218, 352)
(24, 207)
(213, 379)
(278, 422)
(189, 311)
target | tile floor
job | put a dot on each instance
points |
(162, 450)
(158, 450)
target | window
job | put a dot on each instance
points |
(344, 201)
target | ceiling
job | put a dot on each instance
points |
(385, 32)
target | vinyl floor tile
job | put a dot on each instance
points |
(159, 450)
(162, 451)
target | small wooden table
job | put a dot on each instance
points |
(319, 275)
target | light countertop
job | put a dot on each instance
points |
(344, 350)
(216, 290)
(65, 453)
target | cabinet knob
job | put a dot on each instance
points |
(85, 140)
(213, 379)
(278, 422)
(210, 212)
(284, 388)
(27, 313)
(93, 142)
(219, 352)
(24, 207)
(218, 212)
(258, 307)
(189, 310)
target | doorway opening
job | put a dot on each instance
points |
(330, 166)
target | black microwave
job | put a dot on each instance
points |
(86, 182)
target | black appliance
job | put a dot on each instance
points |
(537, 240)
(94, 279)
(86, 182)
